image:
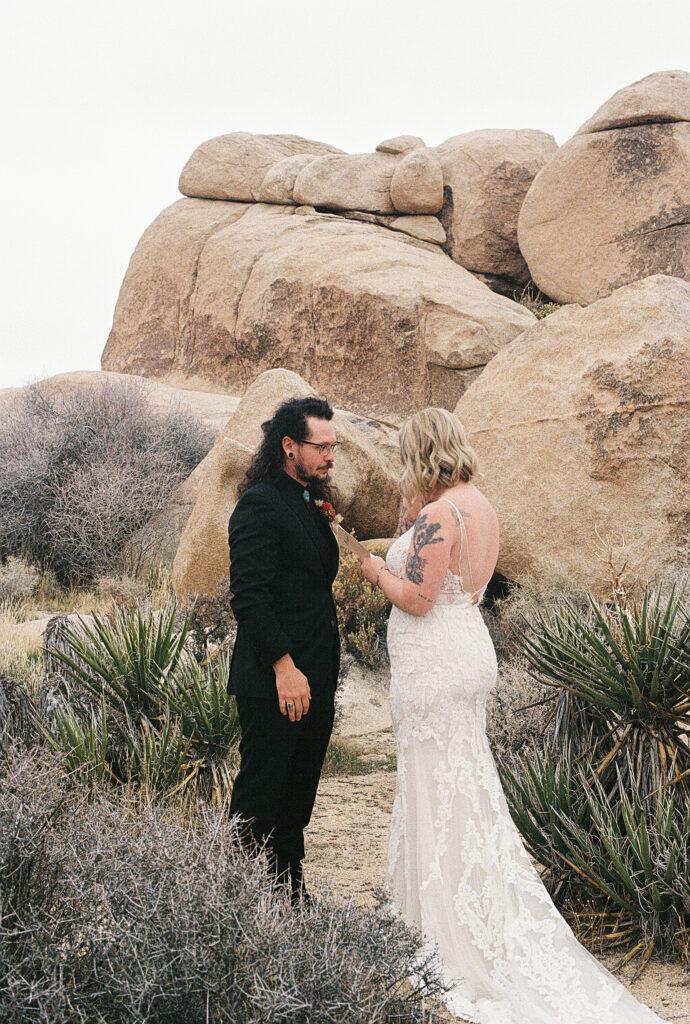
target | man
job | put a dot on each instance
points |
(283, 560)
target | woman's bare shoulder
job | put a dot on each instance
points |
(472, 503)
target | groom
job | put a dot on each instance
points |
(285, 664)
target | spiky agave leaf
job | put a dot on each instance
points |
(628, 668)
(82, 746)
(127, 660)
(207, 712)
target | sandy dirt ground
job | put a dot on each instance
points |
(348, 837)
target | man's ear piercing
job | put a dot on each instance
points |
(290, 455)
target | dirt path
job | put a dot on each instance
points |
(346, 849)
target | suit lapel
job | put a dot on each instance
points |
(293, 499)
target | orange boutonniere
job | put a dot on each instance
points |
(327, 511)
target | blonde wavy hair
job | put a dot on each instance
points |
(434, 450)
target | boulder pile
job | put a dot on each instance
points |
(388, 281)
(379, 322)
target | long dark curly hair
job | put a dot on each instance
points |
(289, 420)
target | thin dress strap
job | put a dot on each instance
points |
(463, 531)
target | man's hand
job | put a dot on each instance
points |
(293, 689)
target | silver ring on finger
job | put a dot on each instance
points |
(289, 706)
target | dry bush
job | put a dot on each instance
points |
(111, 916)
(82, 471)
(362, 609)
(20, 653)
(124, 590)
(518, 710)
(528, 596)
(536, 302)
(18, 580)
(212, 622)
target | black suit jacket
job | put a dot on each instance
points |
(283, 560)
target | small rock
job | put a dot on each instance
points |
(417, 183)
(400, 144)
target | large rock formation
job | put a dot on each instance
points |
(486, 175)
(475, 182)
(583, 426)
(613, 205)
(217, 292)
(365, 475)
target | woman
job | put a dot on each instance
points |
(457, 868)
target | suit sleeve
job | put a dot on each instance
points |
(254, 539)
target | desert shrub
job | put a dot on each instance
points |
(539, 304)
(525, 598)
(18, 580)
(518, 709)
(211, 620)
(605, 808)
(362, 611)
(18, 713)
(167, 724)
(20, 657)
(82, 471)
(125, 590)
(120, 916)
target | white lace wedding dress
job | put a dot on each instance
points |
(457, 869)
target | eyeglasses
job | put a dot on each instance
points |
(324, 449)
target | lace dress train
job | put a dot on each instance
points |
(457, 868)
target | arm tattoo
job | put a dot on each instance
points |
(404, 523)
(423, 536)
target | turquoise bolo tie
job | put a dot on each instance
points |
(306, 495)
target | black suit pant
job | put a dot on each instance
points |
(280, 765)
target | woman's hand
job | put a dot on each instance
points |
(371, 567)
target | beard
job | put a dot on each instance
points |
(320, 488)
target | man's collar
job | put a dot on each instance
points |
(288, 483)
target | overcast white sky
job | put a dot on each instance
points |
(104, 102)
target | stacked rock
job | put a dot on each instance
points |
(464, 195)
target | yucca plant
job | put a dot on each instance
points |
(199, 697)
(627, 853)
(541, 790)
(127, 660)
(630, 667)
(83, 748)
(160, 760)
(606, 809)
(638, 853)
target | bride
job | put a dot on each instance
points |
(457, 869)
